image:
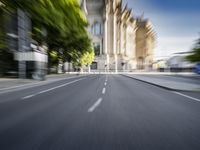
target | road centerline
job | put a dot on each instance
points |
(104, 90)
(106, 79)
(95, 105)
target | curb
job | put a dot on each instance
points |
(157, 85)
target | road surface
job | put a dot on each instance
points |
(99, 112)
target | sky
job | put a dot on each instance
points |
(176, 22)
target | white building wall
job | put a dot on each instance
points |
(116, 41)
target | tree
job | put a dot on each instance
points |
(87, 58)
(195, 56)
(64, 22)
(6, 56)
(2, 29)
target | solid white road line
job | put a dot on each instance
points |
(96, 104)
(104, 91)
(196, 99)
(37, 83)
(41, 92)
(29, 96)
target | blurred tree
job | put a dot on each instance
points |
(195, 56)
(2, 28)
(6, 56)
(87, 58)
(54, 57)
(64, 22)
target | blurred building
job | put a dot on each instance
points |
(160, 65)
(145, 43)
(178, 62)
(31, 59)
(121, 41)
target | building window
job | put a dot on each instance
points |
(96, 48)
(96, 28)
(94, 66)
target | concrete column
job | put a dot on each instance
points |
(115, 41)
(126, 41)
(114, 34)
(116, 63)
(121, 39)
(105, 35)
(108, 62)
(106, 40)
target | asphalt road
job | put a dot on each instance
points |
(99, 112)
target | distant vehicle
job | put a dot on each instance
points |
(197, 68)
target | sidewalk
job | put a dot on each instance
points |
(167, 82)
(6, 83)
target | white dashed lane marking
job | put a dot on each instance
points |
(29, 96)
(104, 91)
(96, 104)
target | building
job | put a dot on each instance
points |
(118, 37)
(160, 65)
(30, 58)
(178, 62)
(145, 44)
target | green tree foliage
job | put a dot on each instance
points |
(64, 22)
(195, 56)
(54, 57)
(82, 59)
(2, 31)
(87, 58)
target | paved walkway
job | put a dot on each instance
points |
(6, 83)
(169, 82)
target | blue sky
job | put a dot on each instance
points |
(176, 22)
